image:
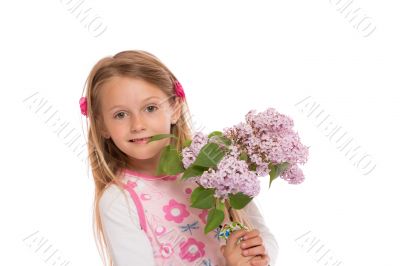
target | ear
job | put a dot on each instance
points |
(176, 112)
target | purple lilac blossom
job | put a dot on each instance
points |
(190, 153)
(268, 137)
(232, 176)
(294, 175)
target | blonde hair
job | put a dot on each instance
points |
(105, 159)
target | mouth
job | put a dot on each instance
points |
(140, 140)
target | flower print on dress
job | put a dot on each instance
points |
(145, 196)
(160, 230)
(166, 250)
(190, 227)
(175, 211)
(206, 262)
(191, 249)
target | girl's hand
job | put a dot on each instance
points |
(233, 252)
(253, 246)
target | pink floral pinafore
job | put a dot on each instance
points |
(175, 230)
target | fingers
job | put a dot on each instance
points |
(253, 245)
(258, 250)
(233, 238)
(252, 233)
(255, 241)
(259, 261)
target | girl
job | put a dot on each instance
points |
(141, 218)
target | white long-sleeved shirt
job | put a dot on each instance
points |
(129, 244)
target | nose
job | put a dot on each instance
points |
(137, 123)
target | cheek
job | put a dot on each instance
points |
(117, 130)
(162, 122)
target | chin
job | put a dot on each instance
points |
(144, 155)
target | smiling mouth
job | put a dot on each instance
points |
(141, 140)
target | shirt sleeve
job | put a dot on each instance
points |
(257, 220)
(128, 244)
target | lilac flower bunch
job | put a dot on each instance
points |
(228, 165)
(231, 176)
(268, 139)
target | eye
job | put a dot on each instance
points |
(119, 116)
(151, 108)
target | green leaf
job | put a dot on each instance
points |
(226, 141)
(162, 136)
(209, 156)
(214, 219)
(170, 162)
(215, 133)
(280, 168)
(243, 156)
(193, 170)
(252, 167)
(272, 173)
(203, 198)
(196, 193)
(239, 200)
(276, 170)
(220, 139)
(219, 205)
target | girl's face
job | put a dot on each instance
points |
(135, 109)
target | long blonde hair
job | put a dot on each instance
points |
(105, 159)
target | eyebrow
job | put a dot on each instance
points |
(122, 106)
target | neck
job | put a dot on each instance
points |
(147, 167)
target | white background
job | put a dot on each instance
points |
(230, 56)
